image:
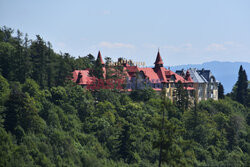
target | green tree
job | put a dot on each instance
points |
(86, 62)
(50, 66)
(6, 148)
(182, 99)
(143, 94)
(59, 95)
(7, 55)
(22, 58)
(97, 70)
(171, 142)
(4, 95)
(221, 91)
(39, 61)
(241, 87)
(4, 90)
(64, 69)
(27, 65)
(31, 87)
(21, 110)
(125, 149)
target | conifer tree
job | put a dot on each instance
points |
(241, 87)
(182, 100)
(27, 58)
(21, 62)
(50, 67)
(221, 91)
(18, 60)
(97, 71)
(63, 69)
(125, 144)
(39, 60)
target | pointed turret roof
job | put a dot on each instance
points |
(158, 58)
(100, 58)
(188, 76)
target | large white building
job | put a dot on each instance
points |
(205, 84)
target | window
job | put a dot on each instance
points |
(173, 77)
(200, 93)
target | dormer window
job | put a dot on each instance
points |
(173, 77)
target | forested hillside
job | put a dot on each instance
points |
(46, 120)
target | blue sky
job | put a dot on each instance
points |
(186, 31)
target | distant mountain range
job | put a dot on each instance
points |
(225, 72)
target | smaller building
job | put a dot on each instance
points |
(205, 84)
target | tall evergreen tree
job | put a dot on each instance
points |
(50, 67)
(18, 60)
(63, 69)
(97, 71)
(27, 57)
(241, 87)
(182, 100)
(221, 91)
(7, 55)
(6, 34)
(125, 150)
(108, 67)
(22, 58)
(39, 60)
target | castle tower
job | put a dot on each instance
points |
(188, 77)
(99, 57)
(158, 62)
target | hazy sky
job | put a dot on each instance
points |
(186, 31)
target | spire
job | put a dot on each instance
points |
(188, 77)
(100, 58)
(158, 60)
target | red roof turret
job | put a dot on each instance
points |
(100, 58)
(188, 77)
(158, 60)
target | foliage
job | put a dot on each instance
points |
(221, 91)
(143, 94)
(182, 99)
(240, 91)
(46, 121)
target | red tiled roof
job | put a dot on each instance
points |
(170, 73)
(189, 88)
(131, 71)
(150, 74)
(161, 74)
(132, 68)
(86, 79)
(157, 75)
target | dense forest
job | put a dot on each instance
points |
(47, 120)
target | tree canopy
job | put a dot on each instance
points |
(47, 120)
